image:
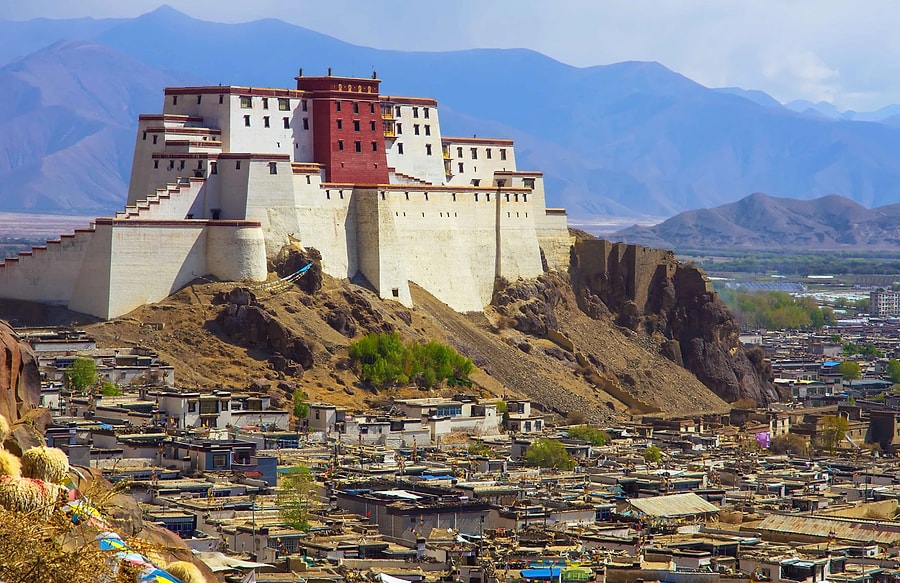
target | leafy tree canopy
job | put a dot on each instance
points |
(850, 370)
(82, 374)
(652, 455)
(589, 434)
(549, 453)
(301, 408)
(834, 428)
(296, 495)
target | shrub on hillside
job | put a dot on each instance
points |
(383, 360)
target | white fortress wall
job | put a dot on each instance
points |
(236, 251)
(147, 261)
(272, 201)
(415, 160)
(327, 221)
(473, 161)
(49, 272)
(551, 225)
(381, 260)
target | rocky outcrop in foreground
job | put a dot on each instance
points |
(20, 383)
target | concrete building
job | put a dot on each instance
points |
(884, 303)
(226, 176)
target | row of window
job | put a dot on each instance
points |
(284, 104)
(357, 146)
(214, 166)
(356, 125)
(355, 107)
(474, 153)
(515, 197)
(285, 122)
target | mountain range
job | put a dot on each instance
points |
(626, 139)
(759, 221)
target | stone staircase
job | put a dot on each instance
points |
(401, 178)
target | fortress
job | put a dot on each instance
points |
(226, 176)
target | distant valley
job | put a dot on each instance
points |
(631, 139)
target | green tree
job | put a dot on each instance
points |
(652, 455)
(549, 453)
(301, 408)
(81, 374)
(834, 428)
(850, 370)
(383, 360)
(479, 448)
(296, 495)
(589, 434)
(110, 390)
(893, 370)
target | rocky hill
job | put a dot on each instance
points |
(603, 341)
(767, 222)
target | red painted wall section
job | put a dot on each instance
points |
(340, 106)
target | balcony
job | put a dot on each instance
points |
(387, 112)
(446, 152)
(389, 131)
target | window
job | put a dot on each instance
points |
(221, 99)
(213, 167)
(303, 105)
(355, 107)
(174, 100)
(459, 152)
(154, 138)
(265, 101)
(273, 168)
(425, 112)
(220, 460)
(474, 153)
(371, 108)
(192, 406)
(460, 166)
(416, 129)
(181, 164)
(155, 164)
(145, 136)
(341, 145)
(199, 164)
(306, 123)
(358, 146)
(237, 165)
(317, 413)
(246, 102)
(487, 153)
(374, 146)
(428, 149)
(285, 105)
(171, 164)
(529, 182)
(340, 124)
(337, 105)
(355, 125)
(399, 127)
(372, 125)
(399, 148)
(199, 99)
(266, 121)
(415, 112)
(503, 153)
(398, 111)
(287, 122)
(247, 121)
(427, 130)
(476, 182)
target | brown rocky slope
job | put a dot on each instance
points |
(568, 342)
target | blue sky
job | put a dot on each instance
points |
(847, 53)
